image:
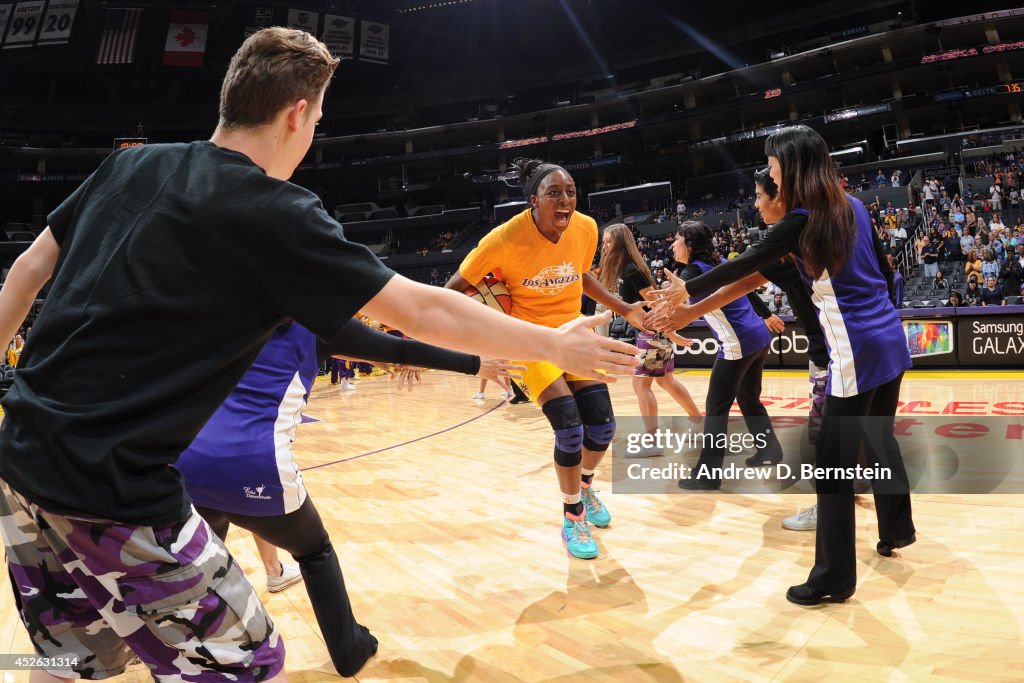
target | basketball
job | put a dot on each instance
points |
(492, 292)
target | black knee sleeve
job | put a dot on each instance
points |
(595, 406)
(564, 417)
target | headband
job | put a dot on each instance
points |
(538, 175)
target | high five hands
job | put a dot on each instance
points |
(669, 309)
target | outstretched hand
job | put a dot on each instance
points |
(775, 324)
(664, 301)
(405, 374)
(679, 340)
(636, 315)
(676, 291)
(670, 318)
(581, 352)
(500, 371)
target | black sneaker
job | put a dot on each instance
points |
(885, 548)
(808, 596)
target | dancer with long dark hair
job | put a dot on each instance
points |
(831, 238)
(744, 343)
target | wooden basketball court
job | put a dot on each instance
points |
(445, 513)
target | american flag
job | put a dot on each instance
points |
(117, 46)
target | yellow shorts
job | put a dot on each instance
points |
(539, 375)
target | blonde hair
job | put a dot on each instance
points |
(614, 259)
(272, 69)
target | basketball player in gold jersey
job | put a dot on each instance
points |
(544, 255)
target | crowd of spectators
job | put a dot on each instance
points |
(1007, 172)
(14, 348)
(440, 242)
(11, 358)
(960, 243)
(894, 178)
(435, 278)
(710, 205)
(682, 209)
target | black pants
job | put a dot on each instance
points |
(738, 380)
(302, 534)
(339, 369)
(839, 445)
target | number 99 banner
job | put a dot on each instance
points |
(29, 24)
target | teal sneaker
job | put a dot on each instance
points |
(597, 513)
(576, 534)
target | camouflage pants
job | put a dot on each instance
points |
(657, 353)
(97, 590)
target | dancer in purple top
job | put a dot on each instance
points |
(742, 333)
(831, 239)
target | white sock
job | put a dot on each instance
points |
(571, 498)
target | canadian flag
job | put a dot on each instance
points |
(186, 38)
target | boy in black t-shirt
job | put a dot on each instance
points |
(171, 266)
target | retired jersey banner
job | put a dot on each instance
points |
(186, 38)
(373, 42)
(25, 22)
(5, 14)
(262, 17)
(303, 20)
(339, 35)
(57, 23)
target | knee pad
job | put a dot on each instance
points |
(595, 406)
(564, 417)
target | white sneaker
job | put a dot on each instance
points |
(347, 386)
(805, 520)
(507, 395)
(290, 575)
(478, 396)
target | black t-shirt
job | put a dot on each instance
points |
(928, 254)
(177, 263)
(991, 297)
(631, 282)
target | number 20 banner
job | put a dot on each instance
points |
(25, 21)
(60, 17)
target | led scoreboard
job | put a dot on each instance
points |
(124, 143)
